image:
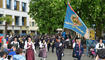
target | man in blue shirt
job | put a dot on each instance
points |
(19, 55)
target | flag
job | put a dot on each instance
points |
(74, 22)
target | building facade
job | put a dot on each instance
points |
(33, 26)
(18, 11)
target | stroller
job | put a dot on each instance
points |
(92, 52)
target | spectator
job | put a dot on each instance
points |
(100, 45)
(13, 52)
(1, 41)
(19, 55)
(100, 55)
(3, 56)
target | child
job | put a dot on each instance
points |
(12, 53)
(92, 52)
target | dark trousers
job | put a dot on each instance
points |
(59, 55)
(79, 58)
(0, 45)
(48, 48)
(52, 48)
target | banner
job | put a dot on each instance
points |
(74, 22)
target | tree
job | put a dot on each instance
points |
(48, 14)
(8, 20)
(92, 12)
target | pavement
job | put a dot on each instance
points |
(67, 56)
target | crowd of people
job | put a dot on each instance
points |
(97, 51)
(24, 47)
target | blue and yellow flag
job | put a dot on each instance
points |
(74, 22)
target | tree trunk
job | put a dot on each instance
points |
(98, 31)
(5, 29)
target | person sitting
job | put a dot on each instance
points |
(100, 55)
(19, 55)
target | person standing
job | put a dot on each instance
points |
(1, 41)
(30, 50)
(73, 46)
(99, 45)
(41, 49)
(44, 50)
(59, 49)
(7, 39)
(19, 55)
(78, 50)
(15, 43)
(53, 44)
(48, 44)
(21, 44)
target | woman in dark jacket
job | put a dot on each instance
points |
(78, 50)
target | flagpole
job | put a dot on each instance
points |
(65, 6)
(63, 27)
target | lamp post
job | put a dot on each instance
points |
(94, 29)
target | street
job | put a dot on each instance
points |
(68, 56)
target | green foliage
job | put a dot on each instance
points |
(91, 12)
(8, 19)
(48, 14)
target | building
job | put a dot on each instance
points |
(32, 27)
(17, 10)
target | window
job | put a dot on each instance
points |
(16, 5)
(17, 20)
(24, 7)
(1, 16)
(8, 4)
(32, 23)
(1, 3)
(23, 21)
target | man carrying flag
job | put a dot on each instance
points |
(74, 22)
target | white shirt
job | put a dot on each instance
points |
(33, 47)
(74, 44)
(67, 39)
(3, 59)
(15, 43)
(41, 44)
(45, 44)
(97, 46)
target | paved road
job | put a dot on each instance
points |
(68, 56)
